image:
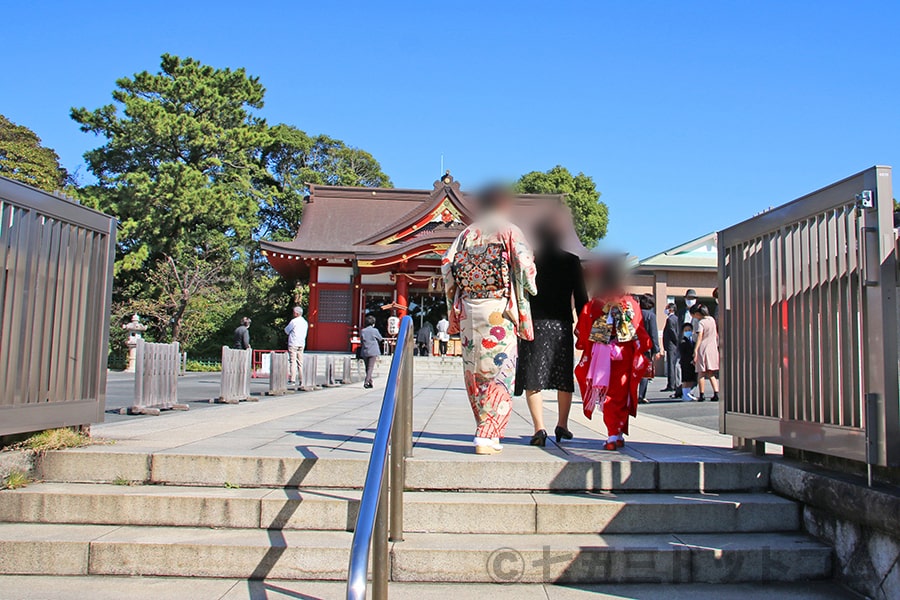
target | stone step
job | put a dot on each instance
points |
(438, 512)
(97, 587)
(625, 558)
(611, 472)
(172, 551)
(42, 549)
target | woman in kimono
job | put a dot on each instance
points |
(489, 274)
(613, 339)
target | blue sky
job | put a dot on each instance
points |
(689, 115)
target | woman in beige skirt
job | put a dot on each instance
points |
(706, 350)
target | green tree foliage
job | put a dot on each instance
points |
(590, 215)
(178, 164)
(23, 158)
(294, 159)
(196, 178)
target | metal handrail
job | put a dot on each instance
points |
(394, 427)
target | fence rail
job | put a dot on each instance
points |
(157, 367)
(809, 326)
(56, 272)
(236, 372)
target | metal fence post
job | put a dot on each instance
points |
(381, 546)
(397, 462)
(407, 407)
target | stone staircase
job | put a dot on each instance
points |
(503, 520)
(429, 366)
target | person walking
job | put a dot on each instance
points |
(489, 274)
(370, 339)
(424, 338)
(242, 334)
(546, 363)
(611, 334)
(671, 339)
(706, 352)
(443, 335)
(648, 315)
(296, 330)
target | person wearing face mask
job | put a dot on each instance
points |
(690, 299)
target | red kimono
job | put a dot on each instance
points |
(620, 400)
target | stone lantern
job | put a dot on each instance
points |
(134, 329)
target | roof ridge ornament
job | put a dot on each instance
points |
(446, 181)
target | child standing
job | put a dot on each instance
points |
(611, 334)
(686, 359)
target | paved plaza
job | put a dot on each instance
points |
(340, 422)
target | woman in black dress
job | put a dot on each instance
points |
(548, 361)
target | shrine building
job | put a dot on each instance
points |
(361, 249)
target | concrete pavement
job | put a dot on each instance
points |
(156, 588)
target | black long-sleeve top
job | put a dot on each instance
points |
(559, 280)
(652, 330)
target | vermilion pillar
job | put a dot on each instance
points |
(402, 293)
(313, 308)
(356, 301)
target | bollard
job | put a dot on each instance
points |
(279, 363)
(156, 371)
(236, 371)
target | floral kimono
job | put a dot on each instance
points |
(489, 274)
(611, 334)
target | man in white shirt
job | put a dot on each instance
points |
(296, 330)
(443, 336)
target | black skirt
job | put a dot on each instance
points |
(547, 363)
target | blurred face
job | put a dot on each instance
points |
(690, 301)
(504, 203)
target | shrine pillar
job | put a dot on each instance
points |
(356, 302)
(313, 312)
(402, 293)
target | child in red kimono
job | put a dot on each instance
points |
(611, 335)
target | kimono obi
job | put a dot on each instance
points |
(482, 271)
(614, 325)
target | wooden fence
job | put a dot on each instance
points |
(279, 363)
(157, 367)
(237, 366)
(310, 372)
(347, 376)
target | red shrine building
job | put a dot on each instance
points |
(363, 248)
